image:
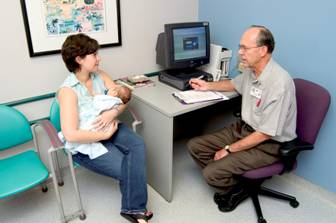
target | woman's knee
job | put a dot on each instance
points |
(137, 146)
(137, 140)
(133, 139)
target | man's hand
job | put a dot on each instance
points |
(220, 154)
(198, 84)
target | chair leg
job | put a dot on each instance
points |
(44, 188)
(254, 196)
(55, 182)
(254, 188)
(279, 195)
(82, 215)
(58, 172)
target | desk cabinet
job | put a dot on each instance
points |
(159, 110)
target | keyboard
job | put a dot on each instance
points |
(188, 74)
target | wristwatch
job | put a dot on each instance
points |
(227, 149)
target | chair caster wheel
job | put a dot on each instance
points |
(262, 220)
(44, 189)
(61, 183)
(294, 203)
(82, 217)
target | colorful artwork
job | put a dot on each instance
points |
(74, 16)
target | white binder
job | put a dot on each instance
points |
(219, 62)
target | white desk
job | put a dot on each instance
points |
(157, 109)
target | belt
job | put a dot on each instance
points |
(247, 126)
(250, 129)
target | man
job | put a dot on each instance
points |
(268, 119)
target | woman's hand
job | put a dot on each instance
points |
(104, 119)
(198, 84)
(110, 129)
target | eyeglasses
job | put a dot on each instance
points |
(245, 48)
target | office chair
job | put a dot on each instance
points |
(21, 171)
(312, 105)
(51, 127)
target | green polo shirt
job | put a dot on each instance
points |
(268, 102)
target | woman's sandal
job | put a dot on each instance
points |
(135, 217)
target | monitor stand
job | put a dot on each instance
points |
(179, 78)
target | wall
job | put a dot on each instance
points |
(141, 21)
(305, 46)
(23, 77)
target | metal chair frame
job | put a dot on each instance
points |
(56, 173)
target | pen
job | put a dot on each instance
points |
(199, 77)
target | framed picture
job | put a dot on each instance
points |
(49, 22)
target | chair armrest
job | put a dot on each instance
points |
(292, 148)
(51, 132)
(289, 151)
(136, 120)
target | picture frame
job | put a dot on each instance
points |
(48, 23)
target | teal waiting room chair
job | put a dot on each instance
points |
(52, 127)
(21, 171)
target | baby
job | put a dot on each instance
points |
(112, 98)
(121, 92)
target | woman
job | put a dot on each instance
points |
(124, 158)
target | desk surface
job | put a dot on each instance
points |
(160, 97)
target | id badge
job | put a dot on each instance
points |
(256, 92)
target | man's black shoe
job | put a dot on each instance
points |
(230, 203)
(218, 197)
(222, 197)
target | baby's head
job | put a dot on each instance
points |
(121, 92)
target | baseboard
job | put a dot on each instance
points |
(324, 194)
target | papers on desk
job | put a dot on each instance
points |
(193, 96)
(135, 81)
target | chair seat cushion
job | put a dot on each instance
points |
(21, 172)
(266, 171)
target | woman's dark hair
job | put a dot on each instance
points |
(77, 45)
(265, 38)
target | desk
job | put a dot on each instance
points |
(158, 108)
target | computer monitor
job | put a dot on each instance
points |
(183, 45)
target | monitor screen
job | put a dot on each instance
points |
(183, 45)
(189, 43)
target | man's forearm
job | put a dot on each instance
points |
(224, 85)
(249, 141)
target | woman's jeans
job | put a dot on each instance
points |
(125, 161)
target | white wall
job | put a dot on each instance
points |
(22, 77)
(141, 21)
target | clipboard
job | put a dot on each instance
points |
(193, 96)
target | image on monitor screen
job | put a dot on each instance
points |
(189, 43)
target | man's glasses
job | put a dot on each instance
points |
(245, 48)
